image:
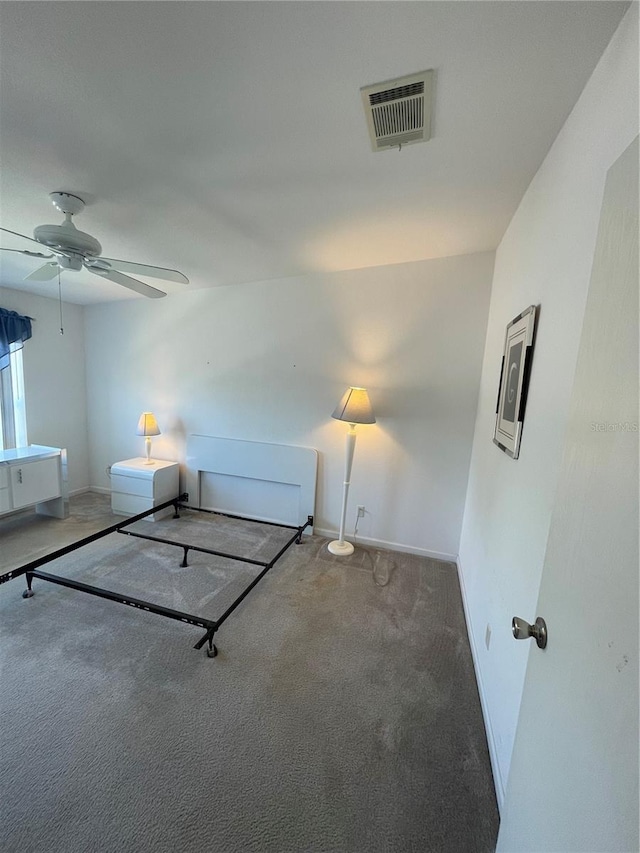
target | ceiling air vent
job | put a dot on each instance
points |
(399, 111)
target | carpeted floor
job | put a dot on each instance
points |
(341, 713)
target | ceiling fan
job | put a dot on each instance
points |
(72, 249)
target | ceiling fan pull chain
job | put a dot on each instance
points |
(60, 302)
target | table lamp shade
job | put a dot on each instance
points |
(148, 425)
(354, 407)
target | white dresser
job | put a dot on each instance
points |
(34, 476)
(137, 486)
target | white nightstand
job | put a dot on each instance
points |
(137, 486)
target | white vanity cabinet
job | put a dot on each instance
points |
(34, 476)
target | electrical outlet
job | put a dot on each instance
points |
(360, 511)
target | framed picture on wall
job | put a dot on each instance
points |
(514, 381)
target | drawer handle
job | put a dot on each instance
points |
(20, 475)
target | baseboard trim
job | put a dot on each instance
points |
(390, 546)
(83, 491)
(491, 741)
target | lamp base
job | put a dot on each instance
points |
(340, 549)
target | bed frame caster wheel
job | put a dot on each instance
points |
(28, 593)
(213, 651)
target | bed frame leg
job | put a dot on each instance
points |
(300, 530)
(212, 649)
(28, 593)
(184, 562)
(176, 510)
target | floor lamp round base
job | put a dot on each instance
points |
(340, 549)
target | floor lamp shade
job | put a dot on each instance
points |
(354, 408)
(148, 426)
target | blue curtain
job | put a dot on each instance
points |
(14, 329)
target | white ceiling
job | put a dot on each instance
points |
(228, 139)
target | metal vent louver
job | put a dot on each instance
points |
(399, 111)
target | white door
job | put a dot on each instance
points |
(573, 784)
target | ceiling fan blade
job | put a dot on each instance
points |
(44, 273)
(126, 281)
(17, 234)
(145, 269)
(25, 252)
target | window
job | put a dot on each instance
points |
(14, 331)
(13, 419)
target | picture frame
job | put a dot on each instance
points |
(513, 387)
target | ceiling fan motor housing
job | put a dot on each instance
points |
(67, 238)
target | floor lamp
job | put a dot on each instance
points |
(354, 408)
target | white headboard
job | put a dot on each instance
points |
(273, 482)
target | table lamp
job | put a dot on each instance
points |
(148, 426)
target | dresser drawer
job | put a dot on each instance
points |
(142, 486)
(123, 504)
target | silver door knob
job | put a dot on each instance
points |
(522, 630)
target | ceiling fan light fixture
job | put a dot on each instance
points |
(70, 262)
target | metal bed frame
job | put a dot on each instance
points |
(32, 569)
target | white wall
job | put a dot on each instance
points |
(54, 372)
(268, 361)
(544, 258)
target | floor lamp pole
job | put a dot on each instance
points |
(340, 546)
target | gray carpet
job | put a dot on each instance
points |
(341, 713)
